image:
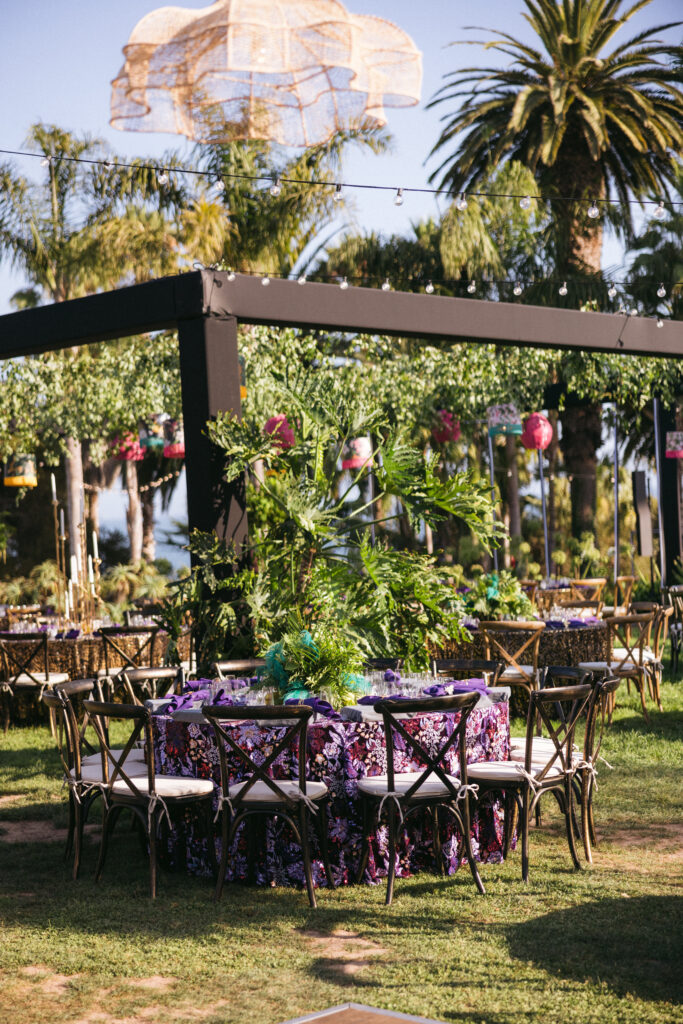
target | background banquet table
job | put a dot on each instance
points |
(340, 753)
(83, 656)
(566, 646)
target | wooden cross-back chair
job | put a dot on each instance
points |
(581, 605)
(629, 639)
(26, 667)
(529, 587)
(674, 595)
(382, 664)
(236, 666)
(525, 783)
(589, 589)
(430, 787)
(142, 684)
(467, 668)
(150, 797)
(115, 652)
(296, 800)
(585, 763)
(520, 663)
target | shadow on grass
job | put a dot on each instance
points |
(664, 725)
(633, 945)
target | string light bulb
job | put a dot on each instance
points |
(399, 197)
(231, 275)
(525, 203)
(429, 288)
(162, 178)
(386, 287)
(471, 288)
(343, 284)
(593, 210)
(661, 291)
(337, 194)
(275, 189)
(612, 291)
(660, 212)
(301, 279)
(634, 312)
(517, 290)
(461, 203)
(46, 161)
(660, 322)
(219, 186)
(563, 288)
(265, 281)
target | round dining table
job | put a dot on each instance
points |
(340, 752)
(560, 644)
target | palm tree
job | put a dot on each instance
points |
(591, 124)
(659, 262)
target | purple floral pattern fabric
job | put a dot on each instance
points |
(339, 754)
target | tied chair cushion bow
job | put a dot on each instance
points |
(430, 788)
(299, 801)
(150, 797)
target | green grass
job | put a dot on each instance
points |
(600, 945)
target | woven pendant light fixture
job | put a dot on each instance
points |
(289, 71)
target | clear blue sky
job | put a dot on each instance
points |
(57, 59)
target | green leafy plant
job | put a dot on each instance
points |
(498, 596)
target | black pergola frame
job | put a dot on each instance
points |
(206, 307)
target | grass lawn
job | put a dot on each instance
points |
(600, 945)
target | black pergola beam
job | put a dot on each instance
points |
(437, 318)
(140, 308)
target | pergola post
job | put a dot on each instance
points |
(668, 495)
(210, 383)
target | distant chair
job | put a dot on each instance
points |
(629, 639)
(146, 683)
(382, 664)
(521, 662)
(468, 668)
(529, 587)
(581, 605)
(26, 668)
(237, 666)
(589, 589)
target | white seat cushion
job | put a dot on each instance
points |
(24, 679)
(607, 666)
(166, 786)
(378, 785)
(260, 793)
(511, 672)
(620, 652)
(93, 772)
(504, 771)
(135, 756)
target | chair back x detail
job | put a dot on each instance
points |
(521, 664)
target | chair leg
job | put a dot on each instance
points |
(305, 849)
(108, 821)
(210, 841)
(72, 821)
(436, 841)
(391, 874)
(79, 821)
(510, 821)
(585, 822)
(641, 691)
(321, 824)
(467, 842)
(525, 834)
(569, 825)
(152, 836)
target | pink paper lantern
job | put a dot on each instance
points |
(674, 444)
(538, 432)
(174, 439)
(127, 449)
(357, 453)
(281, 432)
(447, 429)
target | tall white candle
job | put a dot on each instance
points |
(62, 533)
(91, 574)
(73, 561)
(53, 485)
(67, 606)
(82, 505)
(95, 548)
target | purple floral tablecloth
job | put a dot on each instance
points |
(340, 753)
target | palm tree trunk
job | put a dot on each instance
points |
(581, 434)
(551, 455)
(148, 541)
(514, 510)
(134, 513)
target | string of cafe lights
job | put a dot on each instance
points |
(593, 211)
(400, 193)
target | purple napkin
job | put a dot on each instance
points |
(554, 624)
(238, 684)
(321, 707)
(185, 700)
(578, 623)
(392, 677)
(192, 685)
(372, 698)
(452, 686)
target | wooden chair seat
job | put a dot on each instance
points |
(166, 786)
(40, 679)
(260, 793)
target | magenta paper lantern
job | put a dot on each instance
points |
(357, 453)
(174, 439)
(538, 432)
(127, 449)
(674, 444)
(281, 432)
(447, 429)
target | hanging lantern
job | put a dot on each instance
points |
(20, 471)
(243, 386)
(674, 444)
(152, 430)
(503, 419)
(357, 453)
(447, 429)
(281, 432)
(127, 449)
(174, 439)
(538, 432)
